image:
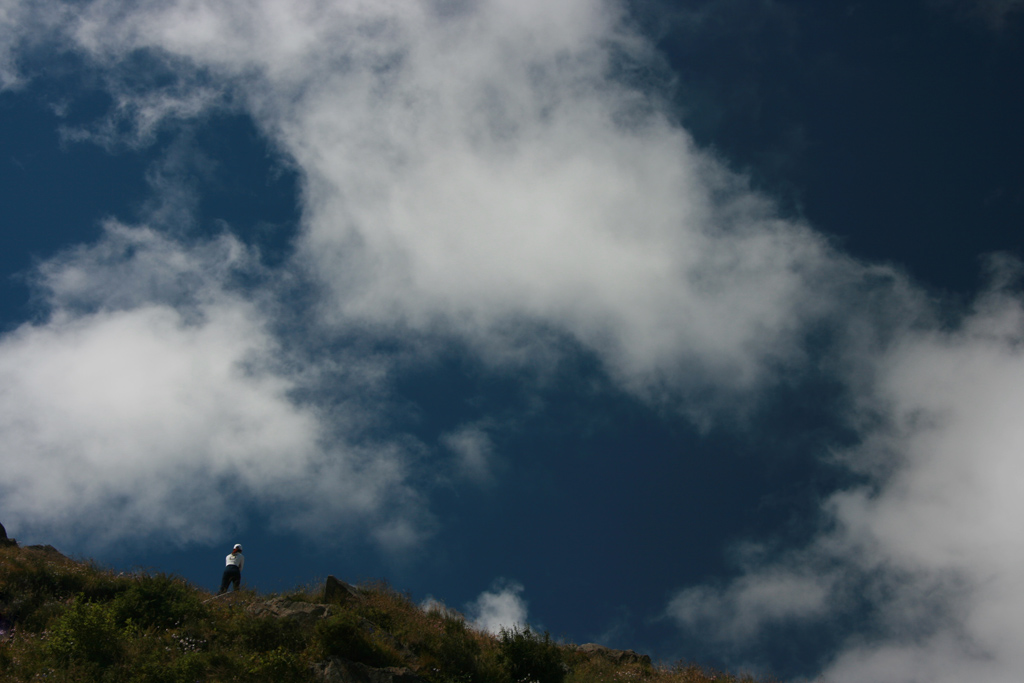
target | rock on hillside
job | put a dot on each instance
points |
(340, 671)
(306, 613)
(4, 541)
(337, 592)
(614, 656)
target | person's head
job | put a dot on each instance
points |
(237, 548)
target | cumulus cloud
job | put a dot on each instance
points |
(479, 171)
(483, 192)
(946, 516)
(153, 398)
(502, 607)
(926, 542)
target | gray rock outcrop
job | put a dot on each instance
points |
(337, 670)
(337, 592)
(615, 656)
(4, 541)
(283, 608)
(47, 550)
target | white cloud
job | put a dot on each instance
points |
(502, 607)
(478, 172)
(928, 542)
(135, 266)
(949, 512)
(114, 407)
(153, 399)
(471, 190)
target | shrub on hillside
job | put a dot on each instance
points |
(265, 634)
(34, 583)
(344, 635)
(450, 652)
(159, 601)
(86, 632)
(279, 665)
(527, 656)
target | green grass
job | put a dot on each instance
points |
(76, 621)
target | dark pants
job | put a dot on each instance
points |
(231, 575)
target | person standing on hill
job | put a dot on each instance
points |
(233, 569)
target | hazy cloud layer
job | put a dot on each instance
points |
(998, 14)
(753, 602)
(22, 25)
(473, 450)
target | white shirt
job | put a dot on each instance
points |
(236, 559)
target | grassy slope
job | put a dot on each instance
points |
(71, 621)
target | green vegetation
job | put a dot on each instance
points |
(75, 621)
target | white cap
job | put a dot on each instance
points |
(238, 547)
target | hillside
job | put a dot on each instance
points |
(72, 621)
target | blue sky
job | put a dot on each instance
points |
(692, 328)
